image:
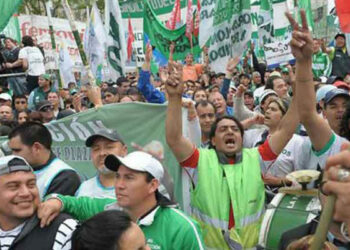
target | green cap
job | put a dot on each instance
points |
(46, 77)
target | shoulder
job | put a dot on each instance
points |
(183, 222)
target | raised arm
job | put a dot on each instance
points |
(181, 147)
(301, 45)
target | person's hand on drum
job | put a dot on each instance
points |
(305, 243)
(337, 173)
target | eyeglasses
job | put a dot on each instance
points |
(21, 102)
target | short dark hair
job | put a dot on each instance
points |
(121, 79)
(204, 103)
(219, 119)
(102, 231)
(270, 80)
(31, 132)
(19, 97)
(27, 41)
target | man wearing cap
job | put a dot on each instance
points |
(321, 64)
(45, 108)
(5, 99)
(32, 141)
(19, 225)
(339, 56)
(40, 93)
(102, 143)
(138, 178)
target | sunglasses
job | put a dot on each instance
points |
(21, 102)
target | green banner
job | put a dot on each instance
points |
(139, 123)
(135, 8)
(12, 29)
(8, 8)
(160, 37)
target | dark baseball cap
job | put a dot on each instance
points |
(335, 93)
(339, 34)
(333, 79)
(13, 163)
(109, 134)
(42, 105)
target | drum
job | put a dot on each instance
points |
(286, 212)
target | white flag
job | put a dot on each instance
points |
(96, 39)
(116, 45)
(206, 28)
(65, 66)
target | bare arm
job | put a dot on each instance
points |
(24, 64)
(181, 147)
(306, 100)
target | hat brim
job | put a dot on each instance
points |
(347, 96)
(112, 162)
(90, 140)
(44, 106)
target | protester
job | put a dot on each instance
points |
(42, 91)
(206, 113)
(46, 110)
(339, 56)
(321, 64)
(19, 224)
(137, 181)
(110, 95)
(54, 98)
(33, 141)
(109, 230)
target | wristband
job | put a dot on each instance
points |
(54, 196)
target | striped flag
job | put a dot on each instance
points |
(197, 19)
(131, 39)
(175, 16)
(189, 21)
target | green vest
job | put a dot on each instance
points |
(217, 185)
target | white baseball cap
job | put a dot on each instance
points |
(6, 97)
(139, 161)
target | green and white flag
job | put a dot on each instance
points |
(116, 44)
(280, 21)
(266, 29)
(8, 8)
(12, 29)
(160, 37)
(206, 21)
(306, 5)
(232, 31)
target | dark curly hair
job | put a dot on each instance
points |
(344, 124)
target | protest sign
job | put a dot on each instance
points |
(232, 31)
(277, 53)
(206, 21)
(160, 37)
(38, 26)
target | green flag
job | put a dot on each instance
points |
(306, 5)
(8, 8)
(12, 29)
(160, 37)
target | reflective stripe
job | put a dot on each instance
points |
(217, 223)
(252, 218)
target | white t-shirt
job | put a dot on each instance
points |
(93, 188)
(35, 60)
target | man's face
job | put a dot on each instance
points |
(21, 104)
(53, 98)
(219, 102)
(102, 147)
(206, 117)
(220, 79)
(27, 152)
(267, 101)
(19, 197)
(249, 101)
(340, 42)
(244, 80)
(47, 114)
(131, 187)
(9, 44)
(257, 79)
(189, 59)
(228, 138)
(280, 87)
(316, 46)
(125, 86)
(22, 117)
(43, 82)
(273, 115)
(110, 98)
(334, 111)
(4, 102)
(200, 96)
(6, 113)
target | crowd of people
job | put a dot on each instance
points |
(246, 128)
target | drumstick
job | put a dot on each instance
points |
(323, 225)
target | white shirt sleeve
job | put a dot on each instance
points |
(64, 235)
(23, 54)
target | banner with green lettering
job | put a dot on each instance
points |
(160, 37)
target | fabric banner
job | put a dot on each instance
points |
(306, 5)
(277, 53)
(135, 8)
(116, 42)
(12, 29)
(65, 66)
(38, 26)
(137, 123)
(232, 31)
(8, 8)
(160, 37)
(280, 21)
(343, 12)
(206, 28)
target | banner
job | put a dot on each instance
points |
(280, 21)
(160, 37)
(8, 8)
(38, 26)
(232, 31)
(65, 66)
(343, 12)
(206, 28)
(277, 53)
(135, 8)
(12, 29)
(116, 44)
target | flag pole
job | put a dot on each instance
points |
(48, 6)
(69, 15)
